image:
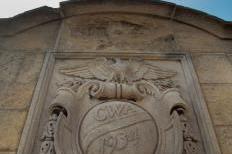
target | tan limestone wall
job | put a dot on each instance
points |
(21, 59)
(22, 55)
(215, 75)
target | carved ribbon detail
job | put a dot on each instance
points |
(110, 90)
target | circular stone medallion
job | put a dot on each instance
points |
(118, 128)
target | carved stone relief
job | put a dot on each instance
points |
(113, 31)
(118, 106)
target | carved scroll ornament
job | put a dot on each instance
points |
(115, 106)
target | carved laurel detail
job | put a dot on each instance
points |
(48, 136)
(190, 142)
(47, 146)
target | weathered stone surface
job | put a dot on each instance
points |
(18, 77)
(221, 113)
(171, 11)
(11, 125)
(7, 152)
(39, 38)
(116, 102)
(142, 29)
(217, 93)
(191, 39)
(230, 57)
(213, 68)
(218, 98)
(27, 20)
(113, 32)
(199, 19)
(117, 32)
(225, 138)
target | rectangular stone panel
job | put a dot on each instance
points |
(7, 152)
(225, 138)
(111, 103)
(218, 98)
(35, 39)
(11, 126)
(213, 68)
(217, 93)
(19, 73)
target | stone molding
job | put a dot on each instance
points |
(208, 138)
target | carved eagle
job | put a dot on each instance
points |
(118, 70)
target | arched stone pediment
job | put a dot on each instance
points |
(166, 10)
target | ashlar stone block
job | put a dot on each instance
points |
(213, 68)
(225, 138)
(18, 77)
(11, 126)
(218, 99)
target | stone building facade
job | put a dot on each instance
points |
(108, 28)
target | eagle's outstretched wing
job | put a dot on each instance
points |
(154, 72)
(97, 69)
(150, 72)
(107, 70)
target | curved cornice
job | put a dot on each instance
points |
(28, 20)
(170, 11)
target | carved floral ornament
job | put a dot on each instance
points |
(118, 106)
